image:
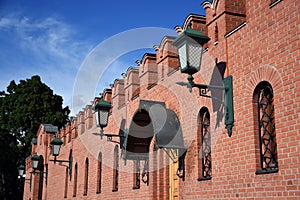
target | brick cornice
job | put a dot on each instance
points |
(226, 12)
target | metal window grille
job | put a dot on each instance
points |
(206, 145)
(267, 135)
(99, 177)
(116, 169)
(75, 181)
(66, 183)
(86, 177)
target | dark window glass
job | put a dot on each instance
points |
(264, 98)
(116, 169)
(86, 177)
(75, 180)
(205, 161)
(99, 173)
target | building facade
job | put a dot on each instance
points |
(257, 42)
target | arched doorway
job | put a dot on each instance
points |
(154, 121)
(139, 137)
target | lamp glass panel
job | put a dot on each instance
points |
(35, 164)
(55, 149)
(103, 117)
(97, 118)
(182, 56)
(194, 54)
(21, 172)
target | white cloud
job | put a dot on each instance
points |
(102, 64)
(48, 47)
(47, 39)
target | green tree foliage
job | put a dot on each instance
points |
(23, 107)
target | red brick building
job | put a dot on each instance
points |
(257, 42)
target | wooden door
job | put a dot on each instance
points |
(174, 180)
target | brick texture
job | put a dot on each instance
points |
(264, 48)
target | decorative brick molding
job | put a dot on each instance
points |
(265, 73)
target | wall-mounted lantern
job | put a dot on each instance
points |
(34, 164)
(56, 144)
(21, 170)
(102, 109)
(35, 161)
(190, 49)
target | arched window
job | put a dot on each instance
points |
(70, 167)
(99, 173)
(86, 177)
(264, 113)
(66, 183)
(41, 139)
(39, 178)
(216, 34)
(75, 180)
(204, 138)
(116, 169)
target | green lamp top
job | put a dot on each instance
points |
(21, 167)
(192, 33)
(56, 141)
(102, 104)
(35, 157)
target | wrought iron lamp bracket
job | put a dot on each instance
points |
(21, 178)
(111, 136)
(70, 161)
(34, 172)
(228, 100)
(28, 179)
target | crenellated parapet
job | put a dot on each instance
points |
(74, 127)
(118, 93)
(223, 16)
(166, 57)
(81, 122)
(131, 84)
(197, 22)
(107, 94)
(147, 71)
(88, 117)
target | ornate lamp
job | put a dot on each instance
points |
(21, 170)
(56, 144)
(102, 112)
(35, 161)
(190, 49)
(102, 109)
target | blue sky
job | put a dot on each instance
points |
(55, 39)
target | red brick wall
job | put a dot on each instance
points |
(266, 48)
